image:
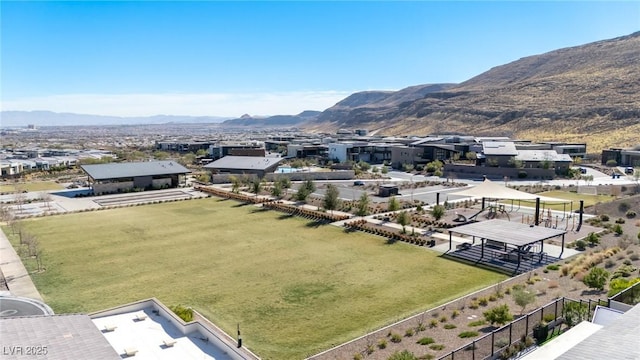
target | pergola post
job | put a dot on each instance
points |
(450, 239)
(562, 248)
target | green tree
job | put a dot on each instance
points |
(611, 163)
(305, 190)
(235, 184)
(256, 186)
(498, 315)
(393, 204)
(593, 239)
(404, 219)
(574, 312)
(331, 199)
(471, 156)
(201, 153)
(160, 155)
(363, 205)
(364, 166)
(384, 170)
(438, 212)
(276, 190)
(187, 159)
(523, 297)
(596, 278)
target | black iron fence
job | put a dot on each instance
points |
(517, 336)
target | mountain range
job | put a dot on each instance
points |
(588, 93)
(49, 118)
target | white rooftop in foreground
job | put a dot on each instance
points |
(148, 337)
(149, 330)
(563, 343)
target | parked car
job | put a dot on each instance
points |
(583, 170)
(628, 170)
(358, 183)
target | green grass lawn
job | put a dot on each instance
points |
(575, 198)
(294, 287)
(31, 186)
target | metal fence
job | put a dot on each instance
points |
(494, 344)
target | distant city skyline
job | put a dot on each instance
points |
(215, 58)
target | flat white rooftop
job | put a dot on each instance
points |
(145, 334)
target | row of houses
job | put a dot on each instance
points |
(13, 163)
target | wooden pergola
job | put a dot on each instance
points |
(500, 235)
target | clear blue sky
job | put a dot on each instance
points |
(229, 58)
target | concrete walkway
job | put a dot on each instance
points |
(18, 279)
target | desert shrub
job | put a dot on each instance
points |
(604, 217)
(357, 356)
(574, 312)
(553, 284)
(468, 334)
(618, 229)
(549, 318)
(630, 214)
(449, 326)
(609, 263)
(474, 305)
(483, 301)
(396, 338)
(455, 314)
(553, 267)
(408, 332)
(501, 342)
(421, 327)
(184, 313)
(619, 284)
(433, 323)
(443, 319)
(620, 221)
(596, 278)
(624, 206)
(580, 244)
(425, 341)
(402, 355)
(498, 315)
(477, 323)
(436, 347)
(624, 271)
(493, 297)
(382, 343)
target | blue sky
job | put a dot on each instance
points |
(230, 58)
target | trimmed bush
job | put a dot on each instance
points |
(468, 334)
(425, 341)
(449, 326)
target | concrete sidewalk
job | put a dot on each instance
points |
(18, 279)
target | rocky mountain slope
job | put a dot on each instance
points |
(273, 121)
(583, 93)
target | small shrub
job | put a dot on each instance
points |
(620, 221)
(609, 263)
(581, 245)
(184, 313)
(370, 349)
(477, 323)
(474, 305)
(421, 327)
(455, 314)
(396, 338)
(436, 347)
(634, 257)
(357, 356)
(630, 214)
(553, 284)
(553, 267)
(408, 332)
(618, 229)
(548, 318)
(443, 319)
(604, 217)
(449, 326)
(483, 301)
(501, 342)
(433, 323)
(425, 341)
(468, 334)
(382, 343)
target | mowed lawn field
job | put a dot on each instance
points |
(30, 186)
(294, 287)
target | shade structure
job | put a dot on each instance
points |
(489, 189)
